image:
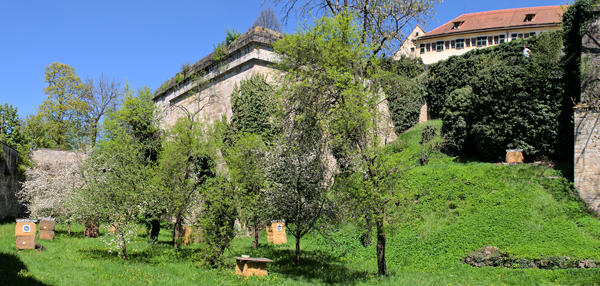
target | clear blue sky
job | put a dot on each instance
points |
(142, 42)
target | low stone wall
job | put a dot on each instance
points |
(9, 184)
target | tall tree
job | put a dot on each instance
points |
(103, 96)
(330, 71)
(248, 136)
(12, 133)
(65, 109)
(267, 19)
(384, 23)
(186, 163)
(118, 186)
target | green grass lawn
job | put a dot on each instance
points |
(451, 210)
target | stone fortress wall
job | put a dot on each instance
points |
(252, 53)
(587, 121)
(9, 184)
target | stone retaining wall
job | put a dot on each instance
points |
(9, 184)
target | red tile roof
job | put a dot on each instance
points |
(500, 19)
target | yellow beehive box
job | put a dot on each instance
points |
(25, 234)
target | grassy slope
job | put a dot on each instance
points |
(450, 209)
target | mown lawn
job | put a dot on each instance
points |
(448, 210)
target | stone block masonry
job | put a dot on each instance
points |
(9, 184)
(587, 157)
(587, 120)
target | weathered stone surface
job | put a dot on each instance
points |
(9, 184)
(587, 120)
(587, 157)
(251, 54)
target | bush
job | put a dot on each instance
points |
(511, 102)
(458, 71)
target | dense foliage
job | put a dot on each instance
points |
(401, 82)
(513, 101)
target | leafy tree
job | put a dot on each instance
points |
(65, 109)
(385, 23)
(137, 117)
(186, 163)
(297, 172)
(118, 187)
(217, 218)
(328, 70)
(267, 19)
(247, 139)
(12, 133)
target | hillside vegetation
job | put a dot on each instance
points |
(447, 209)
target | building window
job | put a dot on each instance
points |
(532, 34)
(481, 41)
(422, 46)
(502, 39)
(468, 42)
(526, 35)
(456, 25)
(412, 50)
(447, 45)
(460, 44)
(490, 40)
(417, 34)
(496, 39)
(520, 36)
(428, 47)
(474, 42)
(453, 44)
(513, 36)
(439, 46)
(529, 17)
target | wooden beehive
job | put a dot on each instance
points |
(46, 228)
(278, 235)
(514, 156)
(248, 266)
(47, 223)
(187, 234)
(46, 234)
(25, 234)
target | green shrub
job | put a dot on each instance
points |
(510, 102)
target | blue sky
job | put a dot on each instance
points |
(142, 42)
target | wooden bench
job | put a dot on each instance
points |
(248, 266)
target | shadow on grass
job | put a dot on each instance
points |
(315, 266)
(14, 272)
(154, 254)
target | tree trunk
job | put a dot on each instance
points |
(155, 230)
(298, 249)
(69, 228)
(255, 242)
(177, 231)
(381, 267)
(123, 247)
(365, 238)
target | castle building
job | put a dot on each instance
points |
(480, 30)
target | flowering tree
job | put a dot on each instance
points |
(49, 189)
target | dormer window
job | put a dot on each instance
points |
(417, 34)
(529, 17)
(456, 25)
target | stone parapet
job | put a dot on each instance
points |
(587, 157)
